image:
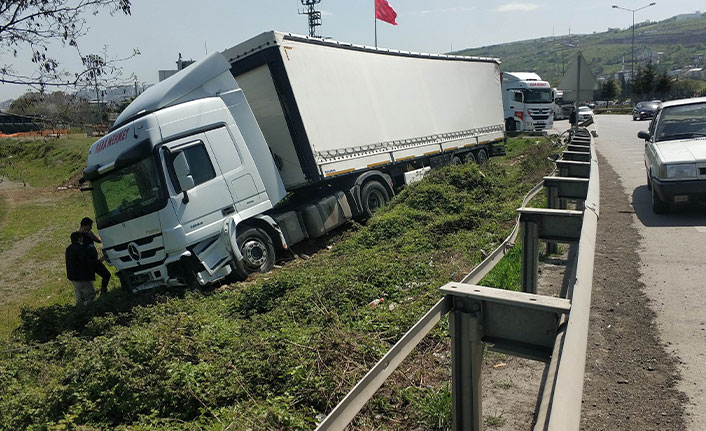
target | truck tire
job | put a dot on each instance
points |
(373, 196)
(658, 205)
(456, 160)
(482, 157)
(470, 157)
(257, 250)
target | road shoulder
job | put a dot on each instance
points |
(631, 381)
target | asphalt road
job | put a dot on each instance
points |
(673, 256)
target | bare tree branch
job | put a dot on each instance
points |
(36, 24)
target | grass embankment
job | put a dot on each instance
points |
(274, 353)
(35, 221)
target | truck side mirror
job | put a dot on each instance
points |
(644, 135)
(183, 172)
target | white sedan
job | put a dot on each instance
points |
(584, 113)
(675, 154)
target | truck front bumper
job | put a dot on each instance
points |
(681, 192)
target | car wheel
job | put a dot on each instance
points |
(257, 250)
(373, 196)
(658, 205)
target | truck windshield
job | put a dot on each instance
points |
(538, 95)
(127, 193)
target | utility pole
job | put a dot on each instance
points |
(632, 62)
(314, 15)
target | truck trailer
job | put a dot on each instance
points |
(214, 171)
(527, 102)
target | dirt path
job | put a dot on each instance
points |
(16, 271)
(631, 380)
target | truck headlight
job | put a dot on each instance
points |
(687, 170)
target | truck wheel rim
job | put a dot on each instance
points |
(254, 253)
(375, 200)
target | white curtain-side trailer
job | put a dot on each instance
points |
(190, 184)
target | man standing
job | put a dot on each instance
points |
(89, 241)
(80, 269)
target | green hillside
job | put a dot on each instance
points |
(681, 42)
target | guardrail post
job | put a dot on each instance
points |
(554, 202)
(466, 361)
(530, 255)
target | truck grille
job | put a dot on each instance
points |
(538, 112)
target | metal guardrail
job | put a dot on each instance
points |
(519, 323)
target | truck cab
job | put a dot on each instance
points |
(527, 102)
(174, 166)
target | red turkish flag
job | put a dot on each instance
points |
(384, 12)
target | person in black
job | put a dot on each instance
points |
(572, 117)
(80, 269)
(89, 241)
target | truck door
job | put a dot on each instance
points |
(240, 174)
(203, 206)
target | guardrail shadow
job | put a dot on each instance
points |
(682, 216)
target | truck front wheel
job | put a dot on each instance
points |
(373, 196)
(257, 250)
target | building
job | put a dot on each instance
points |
(164, 74)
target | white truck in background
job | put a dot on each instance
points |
(189, 186)
(562, 109)
(527, 102)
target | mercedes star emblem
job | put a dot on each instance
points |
(133, 251)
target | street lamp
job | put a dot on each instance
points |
(632, 62)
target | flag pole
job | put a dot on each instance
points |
(375, 18)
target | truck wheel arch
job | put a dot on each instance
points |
(356, 188)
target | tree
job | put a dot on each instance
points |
(663, 85)
(57, 108)
(644, 83)
(34, 25)
(610, 90)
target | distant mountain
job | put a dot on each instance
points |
(675, 43)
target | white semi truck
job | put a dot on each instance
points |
(234, 159)
(527, 102)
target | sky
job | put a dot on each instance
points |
(161, 29)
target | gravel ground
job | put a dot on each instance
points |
(630, 379)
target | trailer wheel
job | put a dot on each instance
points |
(373, 196)
(456, 160)
(470, 157)
(257, 250)
(482, 157)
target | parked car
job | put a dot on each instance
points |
(584, 113)
(675, 154)
(645, 110)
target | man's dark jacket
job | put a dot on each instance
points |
(79, 263)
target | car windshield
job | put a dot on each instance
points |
(127, 193)
(584, 109)
(538, 96)
(682, 122)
